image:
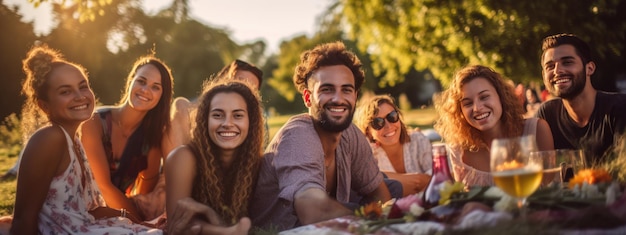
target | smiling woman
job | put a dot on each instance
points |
(480, 106)
(402, 155)
(219, 166)
(56, 192)
(123, 142)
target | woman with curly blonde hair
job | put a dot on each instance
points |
(218, 168)
(479, 107)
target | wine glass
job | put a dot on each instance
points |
(551, 170)
(570, 161)
(514, 170)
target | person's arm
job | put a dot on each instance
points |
(412, 183)
(185, 215)
(108, 212)
(544, 137)
(192, 217)
(180, 126)
(40, 163)
(367, 179)
(181, 171)
(313, 205)
(149, 177)
(92, 142)
(380, 194)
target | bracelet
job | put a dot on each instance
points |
(151, 178)
(123, 212)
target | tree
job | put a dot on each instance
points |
(330, 30)
(15, 40)
(444, 36)
(87, 10)
(108, 44)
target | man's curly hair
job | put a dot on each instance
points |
(328, 54)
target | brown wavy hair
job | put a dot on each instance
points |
(159, 116)
(367, 111)
(328, 54)
(239, 65)
(227, 191)
(39, 65)
(582, 48)
(452, 125)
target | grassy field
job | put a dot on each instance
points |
(422, 118)
(7, 188)
(414, 118)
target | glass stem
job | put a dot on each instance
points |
(521, 205)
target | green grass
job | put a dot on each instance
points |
(422, 118)
(7, 188)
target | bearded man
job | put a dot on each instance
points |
(580, 117)
(317, 158)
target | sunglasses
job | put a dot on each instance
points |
(378, 123)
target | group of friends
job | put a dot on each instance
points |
(153, 164)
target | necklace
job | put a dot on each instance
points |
(124, 131)
(124, 134)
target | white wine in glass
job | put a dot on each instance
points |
(514, 170)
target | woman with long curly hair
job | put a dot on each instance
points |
(219, 166)
(183, 110)
(481, 106)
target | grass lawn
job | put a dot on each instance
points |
(7, 188)
(414, 118)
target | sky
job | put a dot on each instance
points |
(246, 20)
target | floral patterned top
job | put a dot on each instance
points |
(65, 210)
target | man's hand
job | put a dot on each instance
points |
(191, 217)
(313, 205)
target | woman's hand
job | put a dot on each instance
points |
(411, 183)
(192, 217)
(107, 212)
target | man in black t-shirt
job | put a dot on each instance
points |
(580, 117)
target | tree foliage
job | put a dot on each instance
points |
(15, 39)
(290, 50)
(444, 36)
(108, 43)
(86, 10)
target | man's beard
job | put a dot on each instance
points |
(321, 116)
(577, 87)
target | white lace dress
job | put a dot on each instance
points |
(65, 210)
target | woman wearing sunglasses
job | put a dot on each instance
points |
(405, 157)
(478, 107)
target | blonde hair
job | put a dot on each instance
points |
(367, 111)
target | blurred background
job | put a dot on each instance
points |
(410, 48)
